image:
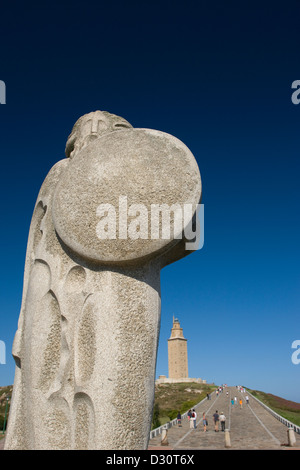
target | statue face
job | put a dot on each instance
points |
(91, 126)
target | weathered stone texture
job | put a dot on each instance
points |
(87, 337)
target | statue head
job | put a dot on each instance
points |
(91, 126)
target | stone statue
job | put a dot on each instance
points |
(86, 344)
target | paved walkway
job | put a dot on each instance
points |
(250, 427)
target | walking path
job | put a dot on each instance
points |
(250, 426)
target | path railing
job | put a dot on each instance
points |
(284, 421)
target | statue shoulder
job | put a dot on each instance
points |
(52, 179)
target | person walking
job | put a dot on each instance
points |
(190, 419)
(247, 399)
(193, 419)
(195, 422)
(216, 420)
(241, 403)
(205, 422)
(222, 419)
(179, 419)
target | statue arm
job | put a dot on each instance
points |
(35, 233)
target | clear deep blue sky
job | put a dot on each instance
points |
(218, 76)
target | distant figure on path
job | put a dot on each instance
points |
(232, 401)
(193, 419)
(190, 418)
(247, 399)
(216, 420)
(241, 403)
(205, 422)
(179, 419)
(222, 418)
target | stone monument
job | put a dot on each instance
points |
(85, 348)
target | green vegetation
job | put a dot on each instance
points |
(155, 419)
(5, 392)
(285, 408)
(173, 398)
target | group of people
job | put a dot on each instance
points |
(192, 417)
(234, 401)
(217, 418)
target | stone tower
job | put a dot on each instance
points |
(177, 353)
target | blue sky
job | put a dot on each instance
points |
(219, 78)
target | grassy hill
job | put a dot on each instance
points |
(287, 409)
(171, 398)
